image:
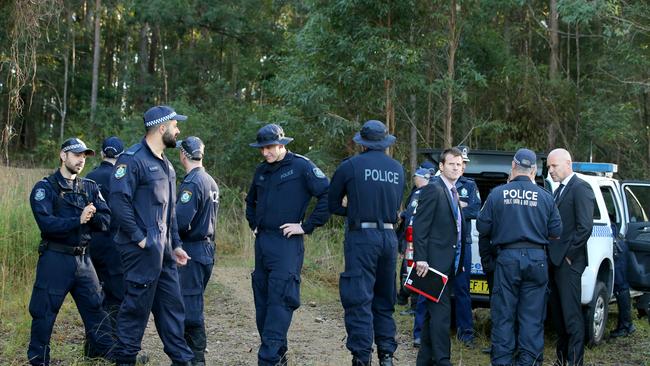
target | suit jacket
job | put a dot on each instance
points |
(434, 229)
(576, 206)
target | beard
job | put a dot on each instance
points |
(169, 140)
(73, 169)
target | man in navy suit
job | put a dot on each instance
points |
(438, 241)
(575, 200)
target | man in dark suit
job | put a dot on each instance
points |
(438, 237)
(575, 201)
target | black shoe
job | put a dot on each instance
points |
(357, 362)
(142, 358)
(487, 350)
(622, 332)
(417, 342)
(385, 359)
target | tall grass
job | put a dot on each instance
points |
(19, 238)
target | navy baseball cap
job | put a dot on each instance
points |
(75, 145)
(160, 114)
(525, 158)
(271, 134)
(192, 147)
(374, 135)
(422, 173)
(112, 147)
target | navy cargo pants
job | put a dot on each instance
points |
(108, 265)
(144, 295)
(276, 290)
(194, 278)
(367, 289)
(519, 297)
(58, 274)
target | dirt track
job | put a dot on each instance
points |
(316, 337)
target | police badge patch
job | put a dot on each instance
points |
(39, 194)
(120, 171)
(463, 192)
(318, 173)
(186, 196)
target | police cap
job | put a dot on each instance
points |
(525, 158)
(192, 147)
(159, 114)
(75, 145)
(112, 147)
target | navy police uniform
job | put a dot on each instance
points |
(624, 325)
(279, 194)
(64, 265)
(103, 252)
(468, 193)
(143, 191)
(373, 184)
(519, 218)
(196, 213)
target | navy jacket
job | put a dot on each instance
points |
(520, 211)
(281, 191)
(197, 206)
(374, 185)
(57, 204)
(143, 193)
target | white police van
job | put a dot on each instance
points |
(626, 204)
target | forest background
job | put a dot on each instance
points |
(497, 74)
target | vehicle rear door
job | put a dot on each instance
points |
(636, 202)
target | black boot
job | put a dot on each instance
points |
(624, 326)
(357, 362)
(385, 359)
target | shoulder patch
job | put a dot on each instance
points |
(186, 196)
(39, 194)
(318, 173)
(120, 171)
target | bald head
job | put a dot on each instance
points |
(559, 164)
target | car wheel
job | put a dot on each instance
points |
(596, 315)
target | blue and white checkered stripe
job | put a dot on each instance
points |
(75, 146)
(160, 120)
(601, 231)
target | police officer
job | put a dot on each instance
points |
(103, 252)
(276, 203)
(196, 213)
(624, 325)
(143, 191)
(470, 203)
(67, 210)
(519, 218)
(373, 184)
(421, 178)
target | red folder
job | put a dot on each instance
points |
(430, 286)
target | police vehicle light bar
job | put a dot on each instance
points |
(584, 167)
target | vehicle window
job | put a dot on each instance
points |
(638, 202)
(610, 204)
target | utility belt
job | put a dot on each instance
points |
(523, 245)
(62, 248)
(371, 225)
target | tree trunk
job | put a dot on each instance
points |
(553, 66)
(64, 106)
(451, 71)
(153, 50)
(414, 134)
(577, 127)
(95, 83)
